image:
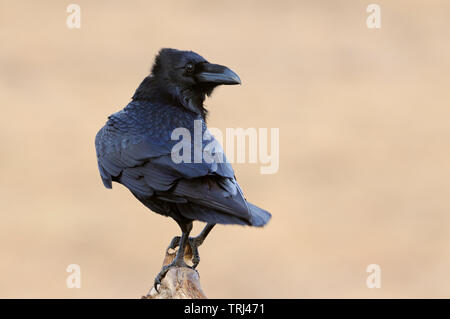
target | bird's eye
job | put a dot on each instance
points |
(189, 68)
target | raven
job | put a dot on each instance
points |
(135, 148)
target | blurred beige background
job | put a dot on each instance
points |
(364, 124)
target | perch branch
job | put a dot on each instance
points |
(178, 283)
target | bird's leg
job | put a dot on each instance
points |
(179, 258)
(195, 242)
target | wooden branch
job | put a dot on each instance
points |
(178, 283)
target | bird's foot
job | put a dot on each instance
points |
(177, 262)
(174, 243)
(194, 243)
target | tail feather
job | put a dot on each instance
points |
(260, 217)
(208, 215)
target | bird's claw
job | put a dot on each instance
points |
(174, 243)
(160, 276)
(175, 263)
(194, 243)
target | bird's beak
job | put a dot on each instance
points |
(218, 74)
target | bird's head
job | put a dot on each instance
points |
(184, 77)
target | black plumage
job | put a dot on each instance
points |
(134, 148)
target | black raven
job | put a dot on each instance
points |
(135, 148)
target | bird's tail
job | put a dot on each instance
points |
(260, 217)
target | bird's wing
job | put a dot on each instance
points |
(145, 165)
